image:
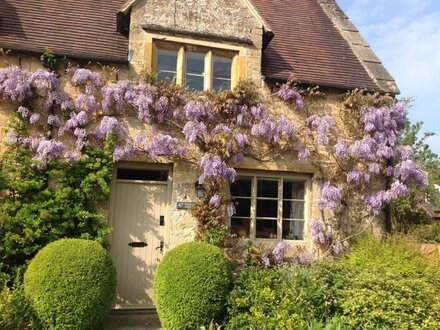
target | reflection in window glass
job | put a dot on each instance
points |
(267, 188)
(293, 190)
(241, 227)
(166, 65)
(241, 187)
(222, 73)
(266, 229)
(195, 71)
(293, 230)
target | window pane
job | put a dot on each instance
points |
(168, 77)
(266, 188)
(293, 230)
(166, 60)
(221, 84)
(266, 229)
(293, 190)
(195, 63)
(267, 208)
(242, 207)
(293, 209)
(222, 67)
(145, 175)
(194, 82)
(241, 187)
(240, 227)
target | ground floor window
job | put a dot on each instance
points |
(269, 207)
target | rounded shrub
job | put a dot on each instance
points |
(70, 284)
(191, 286)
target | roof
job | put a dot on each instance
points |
(312, 38)
(308, 43)
(78, 28)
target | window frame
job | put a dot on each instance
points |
(209, 53)
(280, 178)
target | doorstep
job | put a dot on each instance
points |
(132, 319)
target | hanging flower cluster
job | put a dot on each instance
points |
(216, 132)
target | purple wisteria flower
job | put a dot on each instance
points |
(165, 145)
(320, 234)
(375, 201)
(215, 200)
(285, 128)
(35, 117)
(305, 257)
(341, 149)
(54, 120)
(304, 154)
(109, 125)
(330, 196)
(86, 102)
(14, 84)
(354, 177)
(279, 252)
(125, 151)
(322, 125)
(287, 92)
(338, 248)
(194, 130)
(82, 76)
(214, 168)
(48, 150)
(44, 81)
(407, 170)
(374, 168)
(397, 189)
(23, 111)
(265, 129)
(194, 110)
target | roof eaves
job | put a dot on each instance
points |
(360, 47)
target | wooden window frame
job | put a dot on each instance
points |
(210, 53)
(279, 177)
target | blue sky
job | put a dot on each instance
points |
(405, 34)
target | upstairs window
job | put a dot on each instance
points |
(269, 207)
(198, 68)
(166, 65)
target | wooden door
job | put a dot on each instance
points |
(139, 209)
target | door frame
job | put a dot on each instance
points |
(169, 183)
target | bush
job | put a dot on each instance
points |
(15, 311)
(390, 286)
(70, 284)
(191, 286)
(286, 297)
(425, 233)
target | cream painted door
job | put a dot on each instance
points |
(139, 209)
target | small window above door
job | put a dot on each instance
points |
(141, 175)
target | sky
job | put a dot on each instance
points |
(405, 35)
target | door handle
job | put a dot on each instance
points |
(161, 245)
(137, 244)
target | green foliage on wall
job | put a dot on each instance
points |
(40, 205)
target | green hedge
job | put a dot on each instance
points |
(70, 284)
(379, 285)
(288, 297)
(15, 310)
(191, 286)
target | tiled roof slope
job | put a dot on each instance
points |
(79, 28)
(308, 43)
(313, 38)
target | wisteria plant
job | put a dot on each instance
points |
(360, 163)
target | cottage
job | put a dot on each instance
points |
(204, 45)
